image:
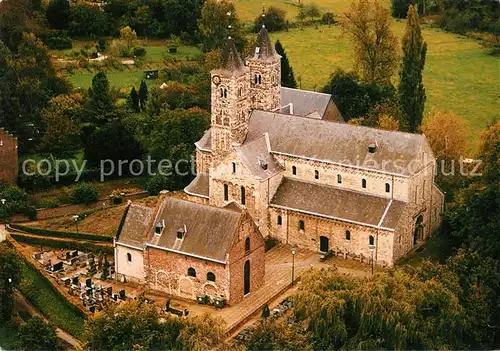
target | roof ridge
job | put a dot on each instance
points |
(196, 204)
(307, 91)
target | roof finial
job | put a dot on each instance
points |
(228, 14)
(263, 16)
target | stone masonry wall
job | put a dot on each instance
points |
(8, 157)
(266, 95)
(132, 270)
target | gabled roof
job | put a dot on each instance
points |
(231, 63)
(305, 102)
(332, 202)
(209, 230)
(264, 48)
(137, 219)
(256, 156)
(199, 186)
(396, 152)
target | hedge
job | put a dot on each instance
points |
(58, 244)
(59, 234)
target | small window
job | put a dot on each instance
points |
(272, 79)
(225, 92)
(243, 200)
(347, 235)
(211, 277)
(294, 170)
(416, 193)
(339, 178)
(301, 225)
(221, 92)
(423, 191)
(226, 192)
(280, 220)
(387, 188)
(129, 257)
(234, 167)
(247, 244)
(191, 272)
(239, 92)
(372, 240)
(363, 183)
(259, 78)
(180, 235)
(316, 174)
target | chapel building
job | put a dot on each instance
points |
(304, 176)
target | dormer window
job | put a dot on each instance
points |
(372, 148)
(180, 235)
(181, 232)
(159, 227)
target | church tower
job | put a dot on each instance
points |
(230, 103)
(265, 74)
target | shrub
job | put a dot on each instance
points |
(158, 183)
(274, 20)
(399, 8)
(58, 42)
(84, 193)
(102, 45)
(328, 18)
(139, 51)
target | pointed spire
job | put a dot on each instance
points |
(231, 60)
(264, 48)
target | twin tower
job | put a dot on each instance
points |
(239, 88)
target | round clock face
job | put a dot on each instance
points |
(216, 80)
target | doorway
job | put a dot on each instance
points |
(418, 235)
(323, 244)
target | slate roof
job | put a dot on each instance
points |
(137, 219)
(199, 185)
(329, 201)
(205, 143)
(210, 230)
(255, 154)
(231, 63)
(396, 152)
(305, 102)
(264, 48)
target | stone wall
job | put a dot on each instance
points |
(203, 161)
(8, 157)
(132, 270)
(265, 84)
(315, 227)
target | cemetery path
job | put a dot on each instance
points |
(23, 304)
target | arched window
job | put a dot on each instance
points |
(225, 92)
(211, 277)
(191, 272)
(423, 191)
(226, 192)
(247, 244)
(302, 225)
(239, 92)
(316, 174)
(272, 79)
(243, 200)
(129, 257)
(372, 240)
(347, 235)
(339, 178)
(387, 188)
(259, 78)
(221, 92)
(363, 183)
(280, 220)
(416, 193)
(294, 170)
(234, 167)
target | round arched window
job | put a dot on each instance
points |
(211, 277)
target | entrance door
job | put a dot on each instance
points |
(246, 288)
(419, 230)
(323, 244)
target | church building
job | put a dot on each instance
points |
(305, 177)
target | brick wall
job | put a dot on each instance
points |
(8, 157)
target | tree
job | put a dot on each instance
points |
(308, 10)
(61, 125)
(58, 14)
(216, 17)
(276, 335)
(87, 21)
(265, 311)
(128, 37)
(386, 122)
(399, 8)
(273, 19)
(10, 268)
(143, 95)
(99, 108)
(368, 24)
(287, 76)
(38, 335)
(133, 100)
(411, 88)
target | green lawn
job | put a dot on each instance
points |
(118, 79)
(52, 305)
(459, 74)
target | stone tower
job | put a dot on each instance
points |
(265, 74)
(230, 90)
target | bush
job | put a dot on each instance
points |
(59, 244)
(59, 42)
(328, 18)
(399, 8)
(84, 193)
(139, 51)
(102, 45)
(158, 183)
(274, 20)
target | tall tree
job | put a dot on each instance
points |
(38, 335)
(287, 76)
(58, 14)
(411, 88)
(100, 107)
(133, 100)
(368, 24)
(10, 266)
(143, 95)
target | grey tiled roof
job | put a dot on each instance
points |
(136, 222)
(199, 185)
(205, 142)
(264, 48)
(255, 155)
(305, 102)
(396, 152)
(335, 202)
(210, 230)
(230, 60)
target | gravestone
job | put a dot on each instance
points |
(88, 282)
(122, 295)
(109, 291)
(57, 267)
(75, 280)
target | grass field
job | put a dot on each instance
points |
(52, 305)
(459, 74)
